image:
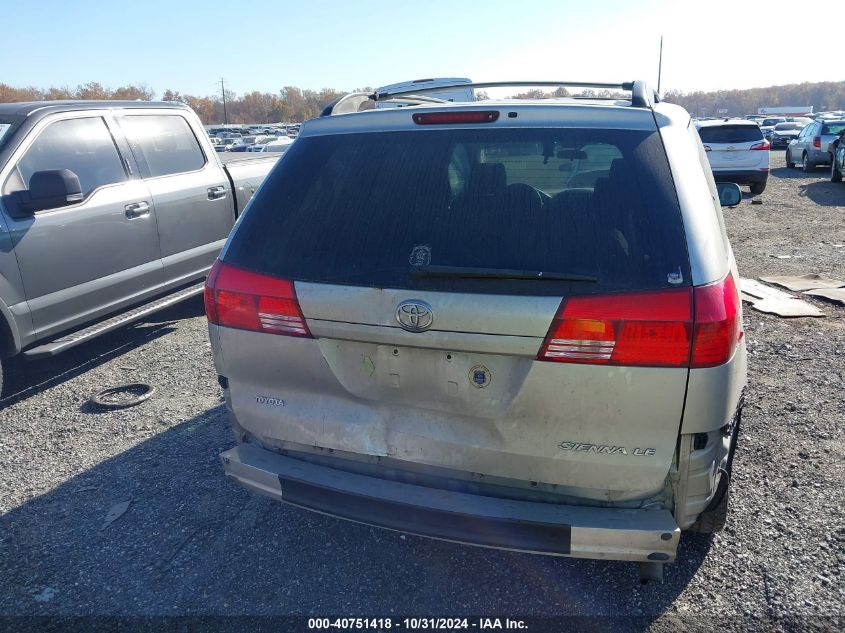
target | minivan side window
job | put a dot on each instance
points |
(84, 146)
(163, 144)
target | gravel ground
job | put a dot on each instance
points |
(192, 543)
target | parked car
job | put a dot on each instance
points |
(110, 211)
(832, 114)
(811, 146)
(511, 323)
(837, 163)
(784, 133)
(260, 142)
(278, 146)
(737, 152)
(243, 144)
(768, 124)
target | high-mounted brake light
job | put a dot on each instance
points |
(682, 327)
(245, 300)
(817, 141)
(445, 118)
(765, 145)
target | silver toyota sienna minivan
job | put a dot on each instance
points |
(513, 324)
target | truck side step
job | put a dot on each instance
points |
(125, 318)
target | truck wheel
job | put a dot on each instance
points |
(714, 518)
(757, 188)
(835, 174)
(806, 165)
(789, 163)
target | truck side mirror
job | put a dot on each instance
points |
(51, 189)
(730, 194)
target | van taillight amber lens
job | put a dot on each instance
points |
(651, 329)
(245, 300)
(683, 327)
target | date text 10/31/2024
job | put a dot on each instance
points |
(442, 624)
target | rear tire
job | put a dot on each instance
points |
(714, 518)
(807, 166)
(835, 174)
(789, 164)
(757, 188)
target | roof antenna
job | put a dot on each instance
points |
(660, 65)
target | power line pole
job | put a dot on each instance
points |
(660, 65)
(223, 91)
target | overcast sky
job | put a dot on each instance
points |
(263, 45)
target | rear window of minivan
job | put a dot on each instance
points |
(369, 209)
(730, 134)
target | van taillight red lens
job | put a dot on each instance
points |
(717, 323)
(245, 300)
(648, 329)
(765, 145)
(817, 141)
(651, 329)
(444, 118)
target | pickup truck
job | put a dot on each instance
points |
(109, 211)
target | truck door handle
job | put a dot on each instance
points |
(137, 209)
(215, 193)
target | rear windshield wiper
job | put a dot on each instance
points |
(495, 273)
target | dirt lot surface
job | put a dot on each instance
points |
(190, 542)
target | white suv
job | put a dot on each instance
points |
(737, 152)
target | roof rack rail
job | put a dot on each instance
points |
(641, 95)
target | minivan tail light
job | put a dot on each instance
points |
(651, 329)
(684, 327)
(245, 300)
(765, 145)
(817, 141)
(445, 118)
(718, 328)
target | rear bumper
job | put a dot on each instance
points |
(616, 534)
(780, 142)
(740, 177)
